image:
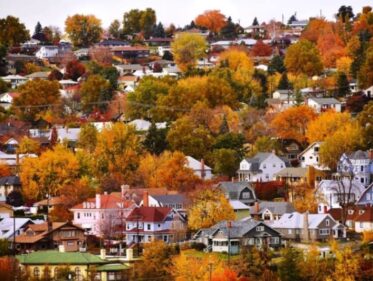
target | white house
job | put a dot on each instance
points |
(323, 104)
(46, 52)
(261, 167)
(100, 215)
(331, 194)
(144, 125)
(6, 99)
(282, 94)
(359, 163)
(14, 80)
(200, 169)
(310, 156)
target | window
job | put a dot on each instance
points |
(311, 157)
(148, 226)
(369, 196)
(78, 215)
(165, 238)
(303, 158)
(327, 222)
(77, 273)
(159, 225)
(324, 231)
(55, 274)
(316, 149)
(362, 180)
(264, 166)
(275, 240)
(36, 272)
(361, 224)
(260, 228)
(274, 165)
(361, 168)
(246, 195)
(70, 243)
(290, 231)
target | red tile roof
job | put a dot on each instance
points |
(367, 216)
(149, 214)
(108, 201)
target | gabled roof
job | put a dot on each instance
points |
(296, 220)
(6, 226)
(325, 101)
(171, 198)
(309, 147)
(277, 208)
(108, 201)
(362, 200)
(292, 172)
(358, 155)
(56, 257)
(149, 214)
(194, 164)
(238, 205)
(228, 186)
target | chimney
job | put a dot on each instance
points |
(124, 188)
(129, 254)
(370, 154)
(306, 234)
(61, 248)
(273, 151)
(102, 254)
(257, 207)
(203, 173)
(98, 201)
(145, 199)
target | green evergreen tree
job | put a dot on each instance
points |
(158, 31)
(276, 65)
(255, 22)
(289, 269)
(229, 31)
(284, 83)
(343, 86)
(38, 28)
(155, 140)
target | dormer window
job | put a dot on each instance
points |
(327, 222)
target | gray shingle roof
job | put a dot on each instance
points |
(326, 100)
(237, 229)
(171, 199)
(278, 208)
(359, 154)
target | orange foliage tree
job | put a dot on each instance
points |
(226, 274)
(261, 49)
(292, 123)
(316, 28)
(213, 20)
(4, 170)
(331, 48)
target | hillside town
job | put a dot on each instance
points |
(210, 151)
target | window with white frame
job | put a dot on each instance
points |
(327, 222)
(260, 228)
(324, 231)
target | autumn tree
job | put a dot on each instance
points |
(225, 161)
(3, 86)
(365, 120)
(36, 96)
(315, 28)
(187, 48)
(88, 137)
(117, 153)
(336, 143)
(83, 30)
(156, 259)
(74, 70)
(344, 64)
(12, 32)
(101, 55)
(28, 145)
(303, 58)
(49, 173)
(289, 268)
(95, 93)
(365, 74)
(236, 59)
(229, 30)
(331, 48)
(213, 20)
(136, 21)
(190, 138)
(155, 140)
(292, 123)
(209, 207)
(4, 170)
(55, 75)
(169, 170)
(343, 85)
(260, 49)
(276, 65)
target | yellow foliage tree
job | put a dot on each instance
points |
(209, 207)
(325, 124)
(187, 48)
(49, 173)
(236, 59)
(344, 64)
(83, 30)
(28, 145)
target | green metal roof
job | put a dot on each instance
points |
(56, 257)
(112, 267)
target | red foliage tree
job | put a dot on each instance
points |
(261, 50)
(74, 69)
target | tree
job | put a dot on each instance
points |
(3, 86)
(236, 60)
(31, 68)
(284, 83)
(12, 32)
(136, 21)
(38, 28)
(49, 173)
(331, 47)
(95, 93)
(157, 257)
(83, 30)
(15, 199)
(88, 137)
(365, 74)
(336, 143)
(168, 170)
(303, 58)
(155, 140)
(52, 34)
(315, 28)
(74, 70)
(209, 207)
(147, 21)
(326, 123)
(292, 123)
(101, 55)
(192, 139)
(255, 22)
(276, 65)
(261, 49)
(117, 153)
(229, 31)
(36, 96)
(292, 19)
(344, 64)
(4, 170)
(115, 30)
(187, 48)
(158, 31)
(213, 20)
(223, 274)
(343, 86)
(55, 75)
(345, 13)
(288, 268)
(226, 161)
(365, 120)
(28, 145)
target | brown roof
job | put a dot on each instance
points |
(52, 201)
(5, 205)
(367, 216)
(127, 78)
(129, 48)
(149, 214)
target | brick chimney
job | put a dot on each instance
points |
(98, 201)
(257, 207)
(203, 172)
(370, 154)
(145, 199)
